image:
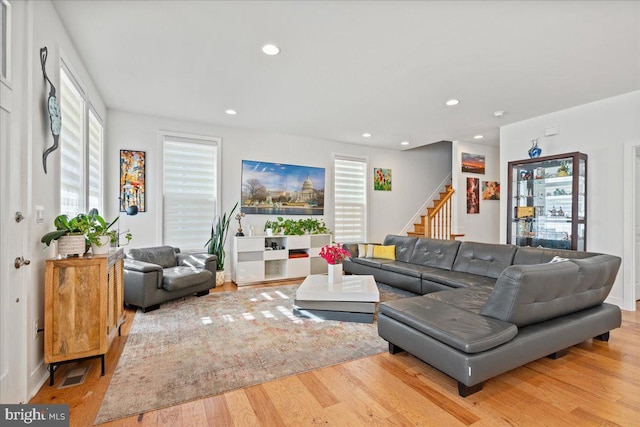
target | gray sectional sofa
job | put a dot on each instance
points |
(484, 309)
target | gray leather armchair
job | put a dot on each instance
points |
(159, 274)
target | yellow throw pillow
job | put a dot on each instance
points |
(385, 252)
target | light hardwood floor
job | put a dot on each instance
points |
(596, 383)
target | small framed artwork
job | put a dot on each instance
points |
(132, 180)
(473, 163)
(490, 190)
(381, 179)
(473, 195)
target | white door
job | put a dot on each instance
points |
(636, 262)
(12, 287)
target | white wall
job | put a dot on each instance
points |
(40, 26)
(601, 130)
(416, 173)
(485, 225)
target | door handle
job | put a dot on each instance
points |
(19, 262)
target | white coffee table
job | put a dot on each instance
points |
(352, 300)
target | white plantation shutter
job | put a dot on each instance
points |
(72, 109)
(5, 54)
(350, 194)
(190, 176)
(95, 161)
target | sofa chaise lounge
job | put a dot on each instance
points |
(484, 309)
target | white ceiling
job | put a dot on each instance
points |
(384, 67)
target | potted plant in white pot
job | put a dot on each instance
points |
(97, 232)
(268, 228)
(215, 244)
(68, 235)
(74, 235)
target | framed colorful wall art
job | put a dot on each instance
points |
(490, 190)
(381, 179)
(473, 195)
(132, 180)
(473, 163)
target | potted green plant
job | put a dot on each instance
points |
(292, 227)
(314, 226)
(74, 235)
(68, 234)
(97, 231)
(268, 227)
(215, 244)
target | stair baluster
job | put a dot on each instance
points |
(438, 223)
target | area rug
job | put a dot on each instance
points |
(193, 347)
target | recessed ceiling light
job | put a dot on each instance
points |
(231, 112)
(270, 49)
(478, 137)
(404, 143)
(366, 135)
(498, 114)
(452, 102)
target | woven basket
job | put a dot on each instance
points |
(73, 244)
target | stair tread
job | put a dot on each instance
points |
(420, 229)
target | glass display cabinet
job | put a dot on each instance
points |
(547, 202)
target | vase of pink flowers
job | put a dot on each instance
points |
(334, 255)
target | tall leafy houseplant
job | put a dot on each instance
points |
(215, 244)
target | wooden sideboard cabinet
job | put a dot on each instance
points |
(83, 307)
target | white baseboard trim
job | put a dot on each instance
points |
(41, 376)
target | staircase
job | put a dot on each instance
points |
(437, 223)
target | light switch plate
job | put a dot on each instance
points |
(39, 214)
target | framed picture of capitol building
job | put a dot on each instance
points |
(281, 189)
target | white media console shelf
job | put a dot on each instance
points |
(264, 258)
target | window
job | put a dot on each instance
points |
(191, 189)
(95, 161)
(5, 33)
(72, 106)
(81, 142)
(350, 199)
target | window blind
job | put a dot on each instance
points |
(190, 191)
(95, 161)
(71, 146)
(5, 24)
(350, 199)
